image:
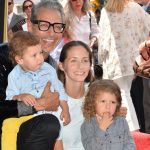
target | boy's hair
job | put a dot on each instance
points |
(95, 89)
(20, 42)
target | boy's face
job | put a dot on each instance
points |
(32, 58)
(106, 104)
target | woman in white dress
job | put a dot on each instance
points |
(123, 26)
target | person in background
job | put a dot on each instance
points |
(26, 8)
(117, 54)
(144, 70)
(102, 128)
(80, 22)
(14, 21)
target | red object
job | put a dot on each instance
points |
(142, 140)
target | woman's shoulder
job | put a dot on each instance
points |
(133, 5)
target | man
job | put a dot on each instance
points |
(48, 23)
(51, 37)
(13, 19)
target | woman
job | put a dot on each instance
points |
(122, 30)
(81, 23)
(74, 72)
(74, 69)
(26, 8)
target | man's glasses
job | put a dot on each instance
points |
(26, 7)
(45, 25)
(9, 3)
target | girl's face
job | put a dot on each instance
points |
(76, 4)
(106, 103)
(77, 65)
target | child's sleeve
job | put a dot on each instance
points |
(58, 86)
(12, 87)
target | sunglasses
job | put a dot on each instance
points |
(9, 3)
(26, 7)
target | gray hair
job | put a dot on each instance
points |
(48, 4)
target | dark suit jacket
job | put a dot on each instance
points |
(15, 20)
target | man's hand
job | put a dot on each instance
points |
(49, 100)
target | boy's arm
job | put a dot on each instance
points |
(65, 115)
(12, 87)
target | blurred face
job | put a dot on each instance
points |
(49, 39)
(27, 8)
(106, 104)
(10, 7)
(77, 4)
(77, 65)
(32, 58)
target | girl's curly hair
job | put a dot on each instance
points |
(95, 89)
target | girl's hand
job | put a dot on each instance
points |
(104, 121)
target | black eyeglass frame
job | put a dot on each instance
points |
(50, 24)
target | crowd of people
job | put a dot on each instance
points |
(52, 79)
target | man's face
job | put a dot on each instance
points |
(10, 6)
(49, 39)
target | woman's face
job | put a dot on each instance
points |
(27, 8)
(77, 65)
(77, 4)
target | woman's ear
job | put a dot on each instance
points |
(60, 65)
(18, 59)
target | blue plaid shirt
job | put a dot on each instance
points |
(116, 137)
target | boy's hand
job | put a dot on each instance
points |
(104, 121)
(28, 99)
(65, 116)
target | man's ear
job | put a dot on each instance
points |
(60, 65)
(18, 59)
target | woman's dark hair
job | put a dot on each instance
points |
(63, 56)
(23, 9)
